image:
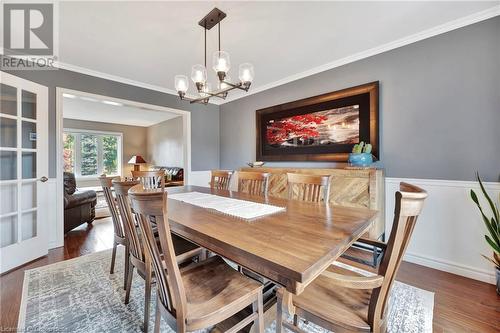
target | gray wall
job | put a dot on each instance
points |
(204, 119)
(134, 138)
(439, 106)
(165, 146)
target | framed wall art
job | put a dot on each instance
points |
(319, 128)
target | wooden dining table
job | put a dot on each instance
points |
(290, 248)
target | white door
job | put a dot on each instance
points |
(23, 171)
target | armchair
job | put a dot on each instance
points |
(79, 206)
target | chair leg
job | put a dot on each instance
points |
(279, 313)
(130, 274)
(113, 257)
(203, 255)
(157, 316)
(147, 299)
(258, 306)
(127, 265)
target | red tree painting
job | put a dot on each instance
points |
(302, 127)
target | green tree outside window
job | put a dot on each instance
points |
(88, 144)
(110, 154)
(69, 152)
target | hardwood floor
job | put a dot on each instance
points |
(460, 304)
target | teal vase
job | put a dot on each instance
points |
(360, 160)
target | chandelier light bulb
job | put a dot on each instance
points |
(246, 73)
(199, 74)
(221, 62)
(181, 83)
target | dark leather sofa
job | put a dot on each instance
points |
(175, 173)
(79, 206)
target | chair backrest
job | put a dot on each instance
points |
(220, 179)
(314, 188)
(255, 183)
(131, 233)
(149, 204)
(409, 203)
(106, 183)
(150, 179)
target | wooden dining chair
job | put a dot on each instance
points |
(185, 251)
(156, 179)
(150, 179)
(119, 233)
(342, 300)
(255, 183)
(220, 179)
(313, 188)
(200, 295)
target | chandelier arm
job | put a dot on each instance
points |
(234, 86)
(240, 86)
(199, 100)
(218, 93)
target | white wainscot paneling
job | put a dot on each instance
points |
(199, 178)
(449, 234)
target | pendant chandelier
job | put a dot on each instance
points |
(220, 64)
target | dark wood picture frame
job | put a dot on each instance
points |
(366, 94)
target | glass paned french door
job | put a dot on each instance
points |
(23, 171)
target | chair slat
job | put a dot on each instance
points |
(220, 179)
(106, 183)
(304, 187)
(131, 232)
(255, 183)
(150, 179)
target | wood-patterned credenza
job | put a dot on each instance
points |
(349, 187)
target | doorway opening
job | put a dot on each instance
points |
(99, 135)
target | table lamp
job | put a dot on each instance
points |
(137, 160)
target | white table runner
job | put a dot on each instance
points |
(234, 207)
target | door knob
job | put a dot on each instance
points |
(43, 179)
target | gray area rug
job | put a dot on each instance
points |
(79, 295)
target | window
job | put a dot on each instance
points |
(91, 154)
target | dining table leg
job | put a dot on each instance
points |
(279, 314)
(284, 305)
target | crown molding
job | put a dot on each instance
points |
(91, 72)
(440, 29)
(115, 78)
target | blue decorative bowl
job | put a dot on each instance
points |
(360, 160)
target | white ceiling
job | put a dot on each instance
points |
(151, 42)
(96, 110)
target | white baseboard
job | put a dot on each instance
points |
(451, 267)
(449, 234)
(493, 186)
